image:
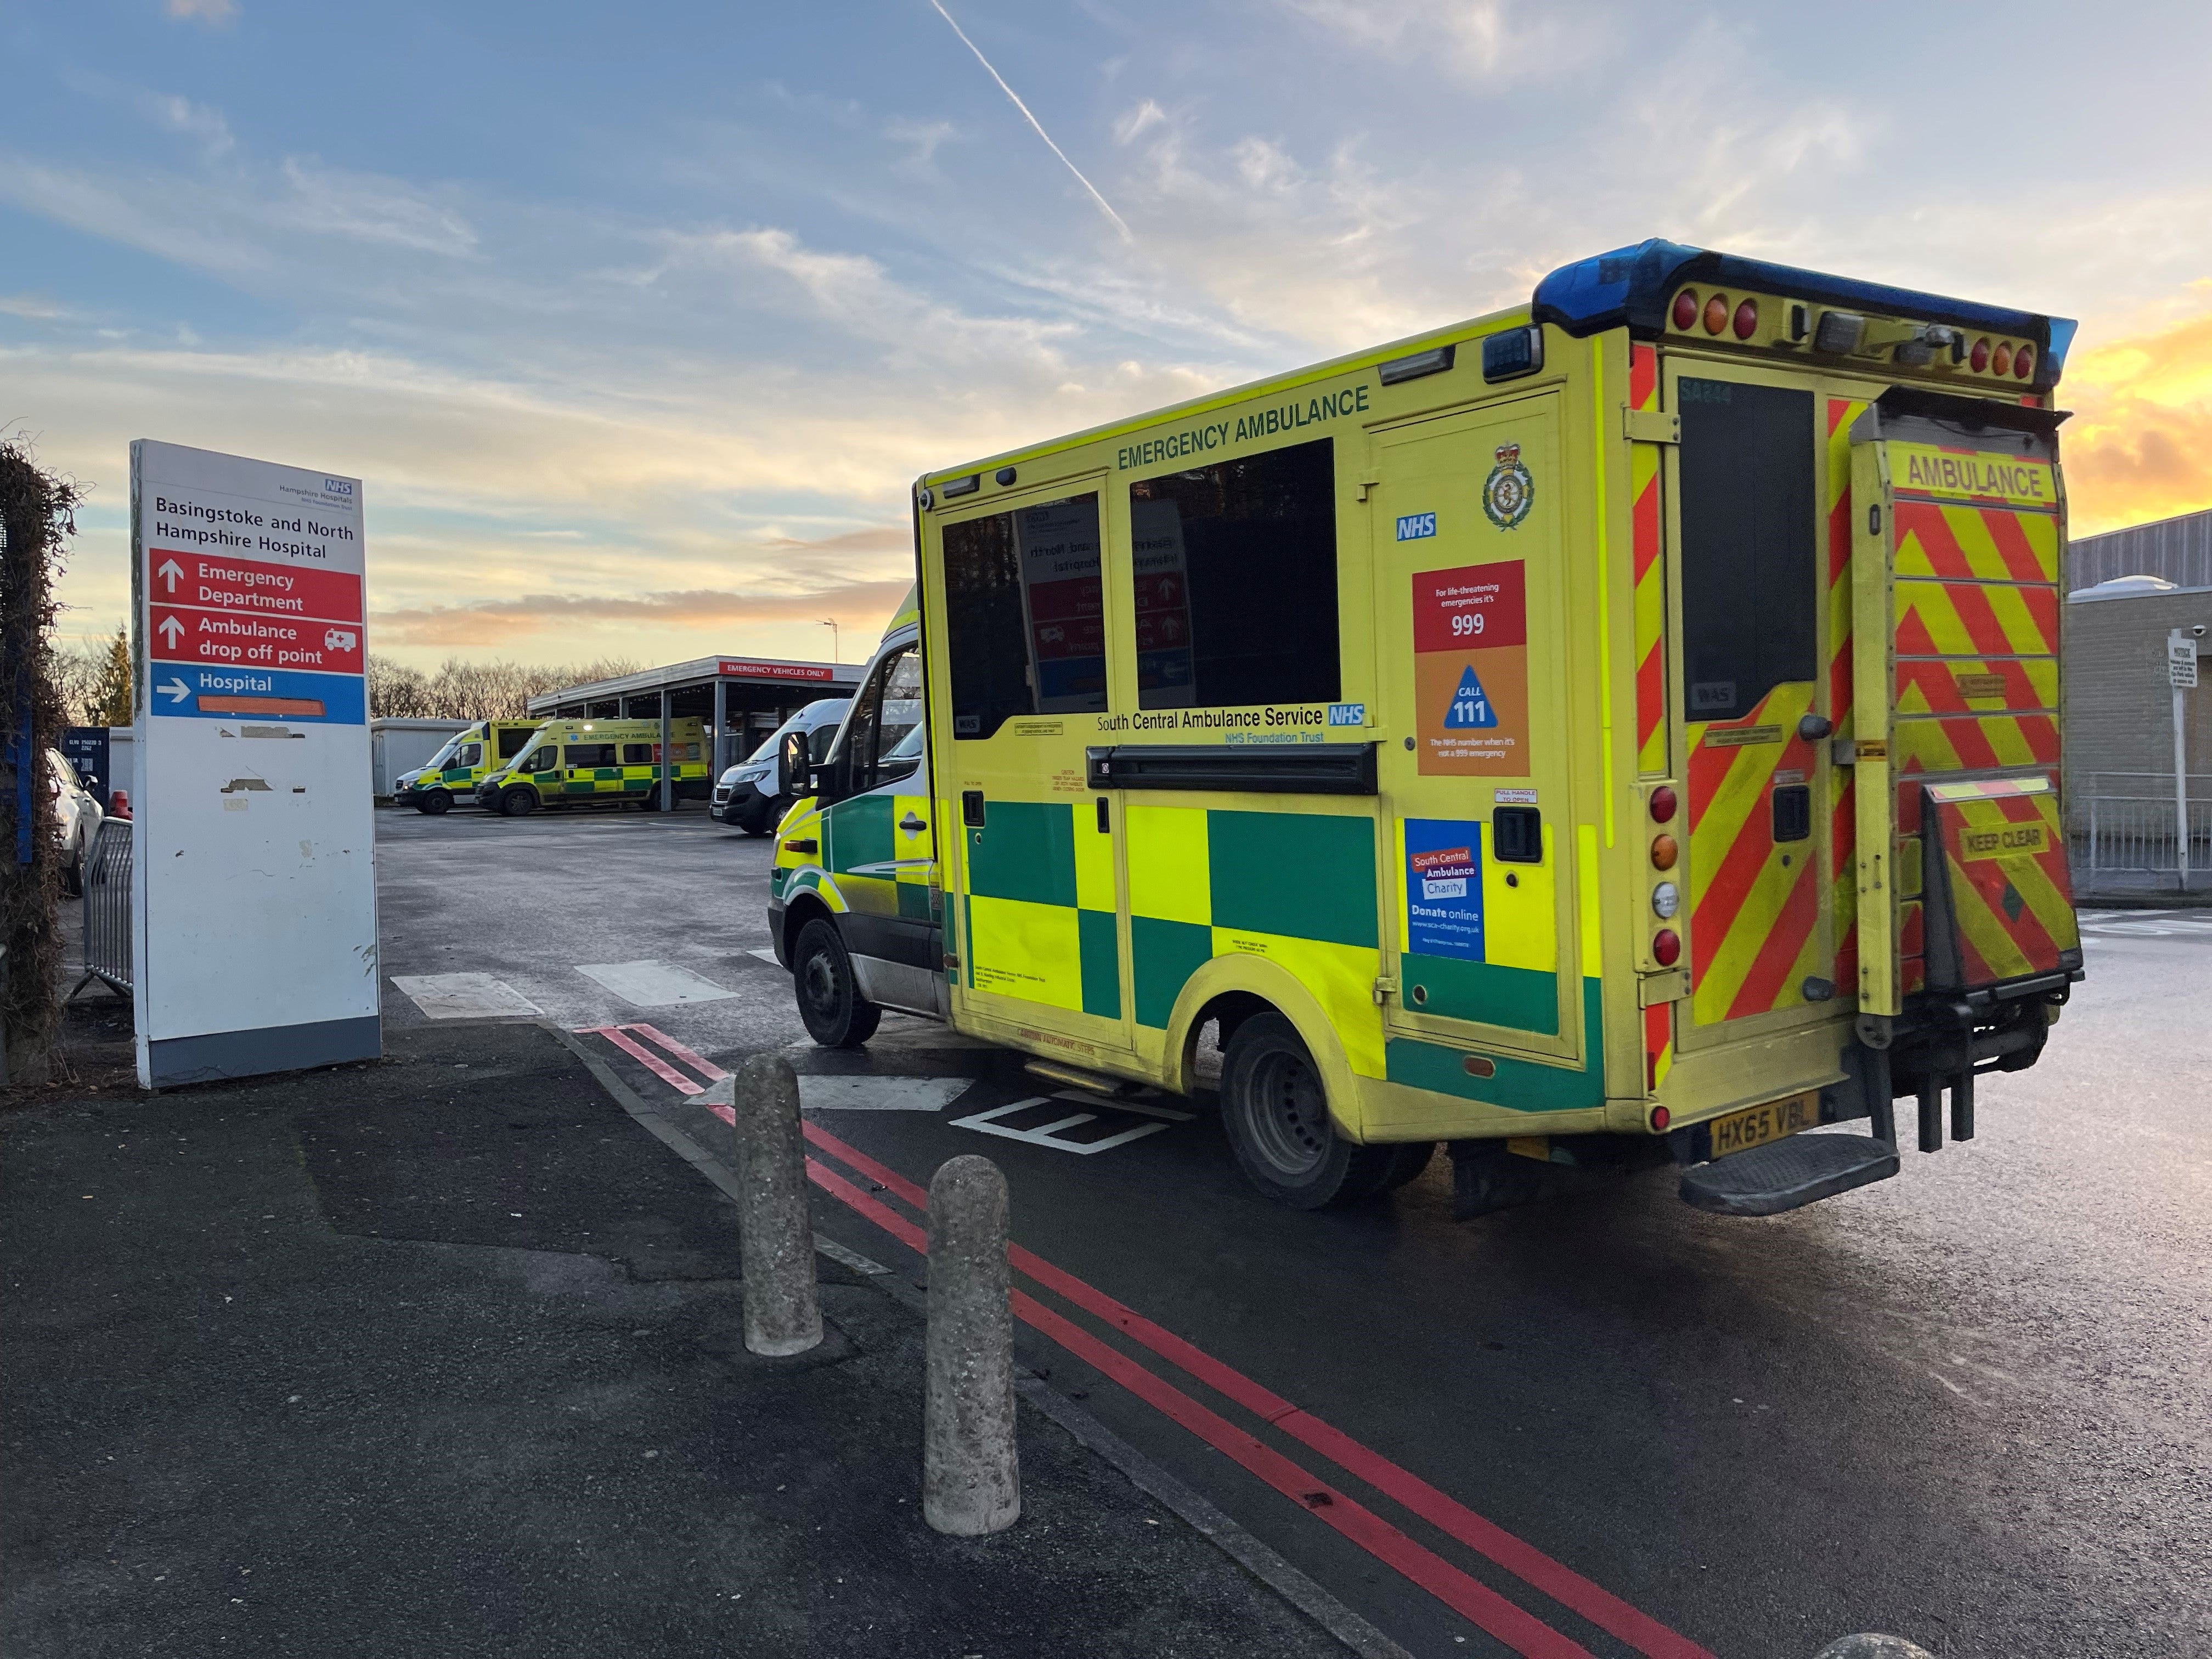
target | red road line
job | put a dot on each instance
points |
(699, 1063)
(1519, 1630)
(645, 1056)
(1555, 1579)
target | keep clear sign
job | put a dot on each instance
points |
(1471, 669)
(253, 894)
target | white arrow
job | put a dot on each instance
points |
(171, 572)
(175, 690)
(171, 631)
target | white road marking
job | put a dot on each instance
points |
(465, 996)
(1048, 1134)
(880, 1094)
(766, 955)
(1120, 1104)
(654, 984)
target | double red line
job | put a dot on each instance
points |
(1517, 1628)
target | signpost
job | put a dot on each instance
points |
(253, 894)
(2181, 674)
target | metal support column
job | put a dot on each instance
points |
(721, 723)
(667, 758)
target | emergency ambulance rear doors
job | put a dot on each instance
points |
(1468, 529)
(1758, 675)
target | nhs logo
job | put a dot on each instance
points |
(337, 486)
(1414, 527)
(1347, 713)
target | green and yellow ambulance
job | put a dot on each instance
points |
(466, 760)
(1622, 729)
(586, 763)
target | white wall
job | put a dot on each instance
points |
(398, 746)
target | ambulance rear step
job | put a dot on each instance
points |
(1788, 1174)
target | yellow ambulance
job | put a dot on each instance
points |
(466, 760)
(583, 763)
(1620, 730)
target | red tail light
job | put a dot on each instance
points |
(1663, 803)
(1980, 356)
(1716, 314)
(2023, 362)
(1747, 319)
(1666, 947)
(1661, 1117)
(1686, 308)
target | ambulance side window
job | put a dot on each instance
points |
(637, 754)
(1025, 620)
(1234, 567)
(547, 759)
(888, 710)
(1749, 568)
(469, 754)
(591, 754)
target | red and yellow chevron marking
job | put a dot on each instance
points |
(1658, 1043)
(1843, 823)
(2011, 894)
(1976, 544)
(1650, 572)
(1754, 930)
(1972, 619)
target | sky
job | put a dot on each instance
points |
(638, 322)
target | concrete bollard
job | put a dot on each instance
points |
(970, 1473)
(776, 1235)
(1872, 1647)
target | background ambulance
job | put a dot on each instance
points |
(467, 758)
(1620, 730)
(581, 763)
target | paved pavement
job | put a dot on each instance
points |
(442, 1357)
(1966, 1406)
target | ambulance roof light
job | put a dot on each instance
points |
(1635, 285)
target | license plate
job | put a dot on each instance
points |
(1739, 1132)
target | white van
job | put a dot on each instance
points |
(745, 797)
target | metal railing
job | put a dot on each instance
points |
(107, 908)
(2138, 834)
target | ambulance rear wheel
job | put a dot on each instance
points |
(518, 803)
(830, 1001)
(1276, 1108)
(434, 804)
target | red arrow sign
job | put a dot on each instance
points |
(253, 642)
(248, 585)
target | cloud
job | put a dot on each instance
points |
(215, 14)
(1483, 40)
(2139, 447)
(33, 307)
(858, 603)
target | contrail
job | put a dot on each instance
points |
(1105, 206)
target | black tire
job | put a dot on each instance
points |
(1407, 1160)
(73, 876)
(435, 805)
(518, 803)
(830, 1001)
(1276, 1108)
(762, 821)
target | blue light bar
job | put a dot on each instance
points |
(1632, 287)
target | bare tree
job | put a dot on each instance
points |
(462, 690)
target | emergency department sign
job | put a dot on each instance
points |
(1471, 670)
(253, 896)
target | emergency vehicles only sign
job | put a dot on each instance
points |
(253, 888)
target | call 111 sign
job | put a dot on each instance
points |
(253, 889)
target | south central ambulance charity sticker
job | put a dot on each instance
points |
(1509, 491)
(1471, 670)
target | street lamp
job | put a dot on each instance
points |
(837, 653)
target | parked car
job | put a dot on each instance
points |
(76, 818)
(745, 797)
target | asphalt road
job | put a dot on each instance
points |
(1968, 1406)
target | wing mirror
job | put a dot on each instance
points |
(792, 766)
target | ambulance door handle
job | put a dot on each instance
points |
(912, 825)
